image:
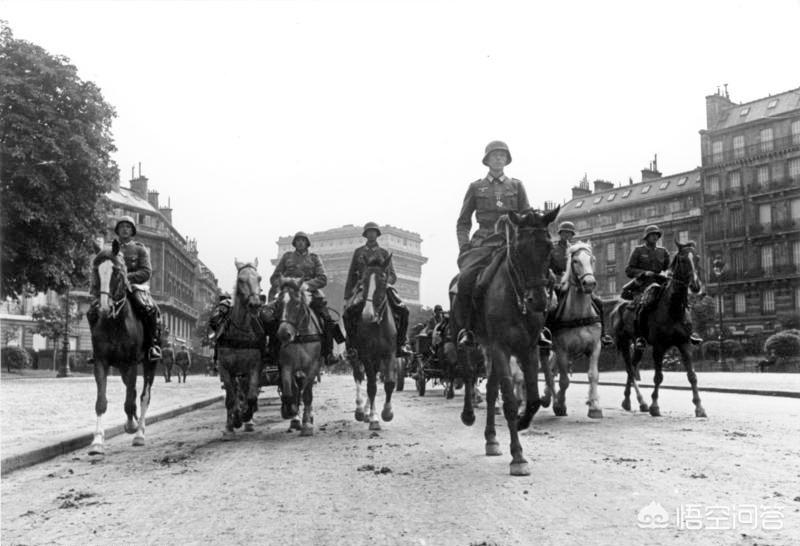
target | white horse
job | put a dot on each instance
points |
(576, 329)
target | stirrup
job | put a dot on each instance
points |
(606, 340)
(465, 337)
(545, 338)
(640, 343)
(154, 353)
(694, 339)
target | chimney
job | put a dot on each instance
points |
(582, 189)
(166, 212)
(716, 105)
(139, 186)
(152, 198)
(652, 172)
(602, 185)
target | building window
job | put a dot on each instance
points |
(765, 215)
(772, 104)
(612, 285)
(646, 189)
(766, 139)
(738, 146)
(766, 259)
(737, 260)
(739, 304)
(675, 206)
(796, 253)
(777, 170)
(719, 303)
(768, 301)
(736, 220)
(796, 132)
(794, 168)
(762, 175)
(611, 253)
(714, 224)
(716, 151)
(744, 112)
(683, 180)
(579, 204)
(735, 180)
(611, 197)
(664, 185)
(713, 185)
(626, 193)
(598, 199)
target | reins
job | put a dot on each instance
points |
(517, 276)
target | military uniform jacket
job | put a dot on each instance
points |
(306, 265)
(489, 199)
(645, 258)
(361, 257)
(137, 262)
(558, 258)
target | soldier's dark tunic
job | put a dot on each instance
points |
(361, 257)
(489, 199)
(558, 258)
(645, 258)
(305, 265)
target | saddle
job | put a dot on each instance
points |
(486, 275)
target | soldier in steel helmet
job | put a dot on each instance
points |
(488, 198)
(137, 263)
(558, 264)
(353, 288)
(300, 263)
(646, 265)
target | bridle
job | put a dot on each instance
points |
(517, 275)
(117, 304)
(382, 304)
(576, 279)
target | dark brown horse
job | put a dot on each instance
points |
(117, 338)
(239, 350)
(509, 322)
(299, 332)
(375, 345)
(664, 328)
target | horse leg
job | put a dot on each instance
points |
(637, 358)
(518, 465)
(288, 392)
(148, 376)
(129, 379)
(252, 395)
(658, 360)
(469, 372)
(530, 367)
(372, 391)
(549, 382)
(560, 403)
(308, 412)
(699, 410)
(489, 433)
(100, 407)
(595, 412)
(358, 378)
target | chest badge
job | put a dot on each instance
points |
(499, 203)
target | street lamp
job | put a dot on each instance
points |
(718, 267)
(63, 369)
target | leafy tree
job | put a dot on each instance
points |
(703, 312)
(55, 168)
(9, 333)
(784, 344)
(50, 323)
(201, 326)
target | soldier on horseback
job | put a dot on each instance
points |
(559, 261)
(489, 198)
(300, 263)
(137, 263)
(645, 267)
(354, 287)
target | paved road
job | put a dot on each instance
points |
(423, 479)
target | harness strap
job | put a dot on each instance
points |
(574, 323)
(240, 344)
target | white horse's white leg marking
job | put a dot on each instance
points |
(138, 440)
(98, 442)
(594, 376)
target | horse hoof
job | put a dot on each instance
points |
(228, 434)
(545, 402)
(374, 425)
(493, 449)
(700, 412)
(450, 394)
(307, 430)
(359, 414)
(131, 427)
(468, 418)
(520, 469)
(644, 408)
(626, 405)
(295, 424)
(595, 414)
(249, 427)
(655, 411)
(387, 415)
(97, 449)
(560, 411)
(138, 441)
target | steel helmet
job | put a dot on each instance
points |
(495, 145)
(651, 229)
(566, 226)
(128, 219)
(370, 225)
(300, 235)
(437, 308)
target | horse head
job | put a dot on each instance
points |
(684, 266)
(111, 276)
(530, 247)
(376, 274)
(581, 267)
(294, 300)
(248, 284)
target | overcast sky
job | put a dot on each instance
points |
(258, 119)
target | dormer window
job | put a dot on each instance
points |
(744, 112)
(611, 197)
(664, 185)
(646, 189)
(579, 204)
(683, 180)
(626, 193)
(597, 200)
(772, 104)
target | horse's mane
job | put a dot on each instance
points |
(572, 249)
(103, 255)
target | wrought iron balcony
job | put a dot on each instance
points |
(759, 149)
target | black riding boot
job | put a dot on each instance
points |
(605, 339)
(330, 332)
(401, 314)
(639, 328)
(151, 334)
(463, 319)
